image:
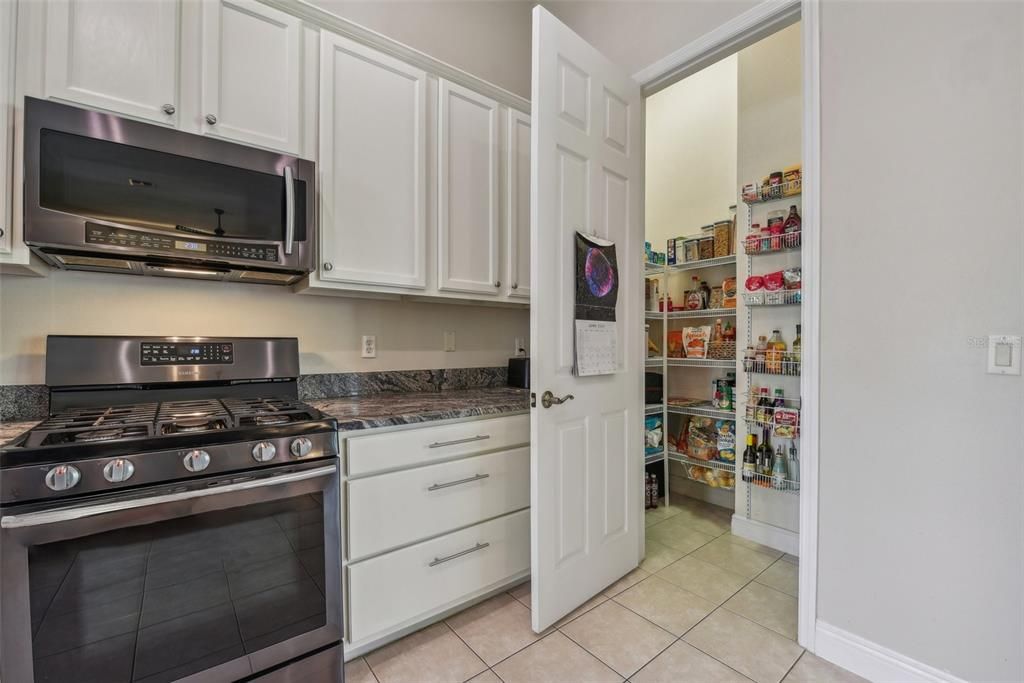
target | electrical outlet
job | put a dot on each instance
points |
(369, 347)
(449, 340)
(518, 345)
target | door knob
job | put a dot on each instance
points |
(547, 399)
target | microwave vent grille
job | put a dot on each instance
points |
(76, 261)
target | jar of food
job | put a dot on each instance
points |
(707, 248)
(723, 238)
(692, 249)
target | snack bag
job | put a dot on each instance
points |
(695, 341)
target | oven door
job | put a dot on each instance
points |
(214, 582)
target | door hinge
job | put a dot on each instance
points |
(533, 400)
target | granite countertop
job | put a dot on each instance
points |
(387, 410)
(9, 430)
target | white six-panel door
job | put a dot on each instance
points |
(587, 453)
(517, 204)
(117, 55)
(467, 191)
(373, 119)
(251, 74)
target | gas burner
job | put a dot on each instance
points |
(98, 435)
(272, 419)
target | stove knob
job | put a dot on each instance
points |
(117, 471)
(301, 447)
(264, 451)
(197, 460)
(63, 477)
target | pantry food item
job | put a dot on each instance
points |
(774, 353)
(702, 438)
(694, 297)
(750, 192)
(787, 422)
(726, 440)
(675, 344)
(792, 180)
(695, 341)
(692, 248)
(652, 434)
(670, 252)
(717, 298)
(729, 292)
(793, 220)
(723, 241)
(754, 283)
(791, 278)
(707, 247)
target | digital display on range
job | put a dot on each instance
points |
(187, 353)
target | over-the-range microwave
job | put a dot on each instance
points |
(110, 194)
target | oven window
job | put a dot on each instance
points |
(132, 186)
(159, 602)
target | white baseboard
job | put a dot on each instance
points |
(871, 660)
(783, 540)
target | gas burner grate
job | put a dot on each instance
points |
(79, 425)
(263, 412)
(187, 417)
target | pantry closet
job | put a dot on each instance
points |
(722, 212)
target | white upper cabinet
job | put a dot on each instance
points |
(119, 55)
(467, 191)
(251, 72)
(373, 121)
(6, 122)
(517, 204)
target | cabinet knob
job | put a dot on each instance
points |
(515, 285)
(168, 109)
(497, 283)
(328, 265)
(211, 119)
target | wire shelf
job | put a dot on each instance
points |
(653, 315)
(654, 268)
(653, 408)
(702, 263)
(774, 193)
(702, 410)
(766, 481)
(717, 474)
(778, 297)
(655, 360)
(756, 244)
(701, 363)
(703, 313)
(654, 457)
(785, 367)
(724, 465)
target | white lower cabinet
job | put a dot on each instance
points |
(426, 533)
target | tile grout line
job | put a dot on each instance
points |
(369, 668)
(462, 640)
(606, 664)
(792, 666)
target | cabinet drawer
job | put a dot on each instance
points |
(408, 447)
(390, 510)
(398, 587)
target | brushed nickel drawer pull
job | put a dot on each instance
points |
(439, 444)
(467, 551)
(476, 477)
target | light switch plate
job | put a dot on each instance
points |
(369, 347)
(1004, 354)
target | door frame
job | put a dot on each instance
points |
(731, 37)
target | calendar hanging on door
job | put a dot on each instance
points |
(595, 334)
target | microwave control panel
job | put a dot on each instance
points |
(184, 244)
(189, 353)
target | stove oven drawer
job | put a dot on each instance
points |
(404, 586)
(423, 445)
(390, 510)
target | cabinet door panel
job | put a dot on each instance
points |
(120, 55)
(7, 20)
(517, 215)
(251, 74)
(467, 187)
(373, 162)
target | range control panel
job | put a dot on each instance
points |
(187, 353)
(120, 237)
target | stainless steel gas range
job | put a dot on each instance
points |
(175, 517)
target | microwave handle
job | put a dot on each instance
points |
(68, 514)
(289, 210)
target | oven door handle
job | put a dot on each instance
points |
(289, 210)
(68, 514)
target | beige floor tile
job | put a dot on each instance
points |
(739, 540)
(626, 581)
(791, 558)
(709, 581)
(522, 593)
(681, 662)
(554, 659)
(766, 606)
(659, 556)
(495, 628)
(782, 576)
(678, 535)
(661, 513)
(735, 558)
(358, 671)
(811, 669)
(705, 519)
(486, 677)
(670, 607)
(434, 654)
(764, 656)
(618, 637)
(582, 609)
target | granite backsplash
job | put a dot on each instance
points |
(30, 401)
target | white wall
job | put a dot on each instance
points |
(921, 520)
(410, 336)
(769, 130)
(690, 173)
